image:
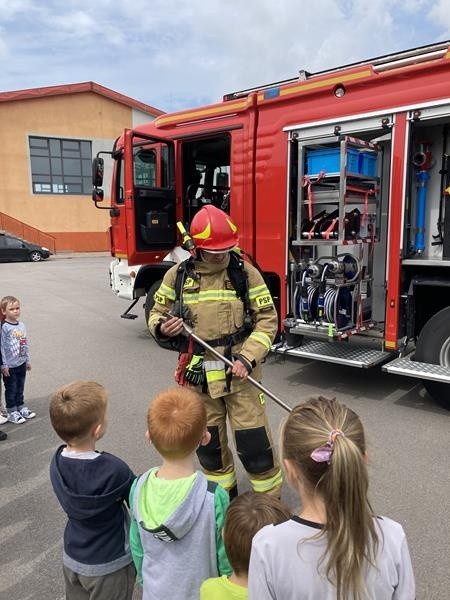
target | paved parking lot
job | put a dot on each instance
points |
(75, 333)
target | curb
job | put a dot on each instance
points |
(68, 254)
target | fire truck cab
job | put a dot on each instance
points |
(339, 183)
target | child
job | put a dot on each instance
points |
(15, 360)
(91, 487)
(246, 515)
(3, 419)
(3, 413)
(177, 515)
(336, 547)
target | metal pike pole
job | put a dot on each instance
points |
(230, 364)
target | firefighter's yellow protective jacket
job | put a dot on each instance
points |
(216, 311)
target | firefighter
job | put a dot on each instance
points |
(227, 303)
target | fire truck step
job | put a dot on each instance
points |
(410, 368)
(339, 353)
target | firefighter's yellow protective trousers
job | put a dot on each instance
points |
(252, 439)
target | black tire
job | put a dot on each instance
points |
(35, 256)
(149, 302)
(433, 346)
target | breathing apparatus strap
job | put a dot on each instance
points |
(239, 279)
(185, 270)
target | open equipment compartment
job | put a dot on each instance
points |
(337, 219)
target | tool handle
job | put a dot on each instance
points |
(228, 362)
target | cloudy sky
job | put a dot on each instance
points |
(176, 54)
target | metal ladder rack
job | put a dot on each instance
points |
(342, 186)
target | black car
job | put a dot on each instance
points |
(14, 249)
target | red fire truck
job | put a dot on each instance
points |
(339, 184)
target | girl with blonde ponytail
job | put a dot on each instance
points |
(336, 548)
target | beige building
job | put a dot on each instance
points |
(49, 136)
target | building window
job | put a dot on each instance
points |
(60, 166)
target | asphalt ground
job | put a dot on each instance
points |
(75, 332)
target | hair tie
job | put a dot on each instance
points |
(324, 453)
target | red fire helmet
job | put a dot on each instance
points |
(212, 229)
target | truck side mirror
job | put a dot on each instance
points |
(97, 195)
(98, 167)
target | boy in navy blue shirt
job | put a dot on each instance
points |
(91, 487)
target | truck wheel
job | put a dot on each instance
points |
(149, 302)
(433, 346)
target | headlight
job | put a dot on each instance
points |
(44, 248)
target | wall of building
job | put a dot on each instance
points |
(72, 219)
(139, 117)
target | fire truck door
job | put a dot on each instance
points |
(150, 199)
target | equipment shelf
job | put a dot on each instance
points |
(334, 191)
(331, 196)
(326, 330)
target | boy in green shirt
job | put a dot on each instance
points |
(247, 514)
(177, 515)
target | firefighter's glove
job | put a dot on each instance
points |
(180, 372)
(194, 371)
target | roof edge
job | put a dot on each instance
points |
(75, 88)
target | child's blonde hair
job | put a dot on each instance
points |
(5, 301)
(76, 408)
(325, 444)
(246, 515)
(176, 421)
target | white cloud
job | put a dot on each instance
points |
(439, 15)
(10, 8)
(78, 23)
(173, 53)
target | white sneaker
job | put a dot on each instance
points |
(3, 419)
(26, 413)
(15, 417)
